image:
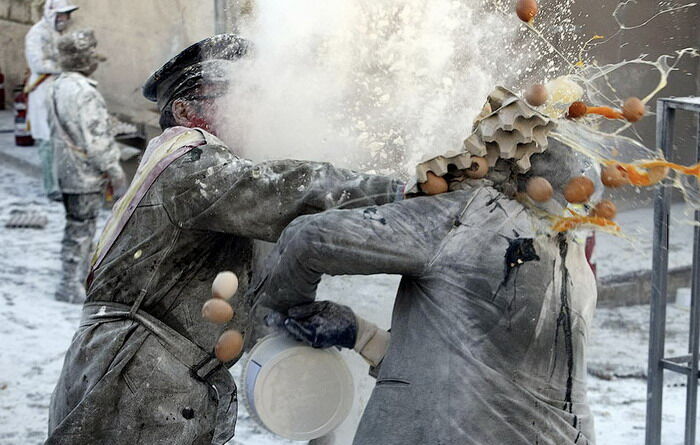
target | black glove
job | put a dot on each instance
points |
(323, 324)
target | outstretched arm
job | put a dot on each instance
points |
(397, 238)
(226, 194)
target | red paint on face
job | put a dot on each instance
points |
(206, 110)
(198, 122)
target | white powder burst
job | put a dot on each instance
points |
(371, 84)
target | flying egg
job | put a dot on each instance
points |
(526, 10)
(539, 189)
(579, 190)
(605, 209)
(225, 285)
(612, 177)
(217, 311)
(633, 109)
(229, 346)
(536, 95)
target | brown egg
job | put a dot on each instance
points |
(225, 285)
(576, 110)
(633, 109)
(434, 185)
(539, 189)
(536, 95)
(579, 190)
(605, 209)
(526, 10)
(479, 168)
(229, 346)
(657, 174)
(217, 311)
(612, 177)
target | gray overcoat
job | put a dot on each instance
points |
(489, 326)
(140, 369)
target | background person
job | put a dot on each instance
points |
(86, 155)
(42, 58)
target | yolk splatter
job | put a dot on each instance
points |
(566, 223)
(605, 112)
(647, 173)
(693, 170)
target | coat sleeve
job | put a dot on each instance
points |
(392, 239)
(39, 52)
(94, 124)
(232, 195)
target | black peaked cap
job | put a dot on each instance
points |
(218, 47)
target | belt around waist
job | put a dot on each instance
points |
(197, 359)
(203, 365)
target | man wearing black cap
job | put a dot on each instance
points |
(140, 369)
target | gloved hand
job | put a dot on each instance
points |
(118, 181)
(323, 324)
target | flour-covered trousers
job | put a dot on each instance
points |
(48, 168)
(81, 221)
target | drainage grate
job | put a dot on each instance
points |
(27, 220)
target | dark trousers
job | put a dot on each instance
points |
(81, 223)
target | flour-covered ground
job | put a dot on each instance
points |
(35, 330)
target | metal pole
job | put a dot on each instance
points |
(664, 135)
(220, 17)
(691, 405)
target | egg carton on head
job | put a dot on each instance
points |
(508, 128)
(440, 165)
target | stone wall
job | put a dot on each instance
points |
(16, 16)
(23, 12)
(136, 36)
(635, 287)
(12, 63)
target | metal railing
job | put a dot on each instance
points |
(686, 364)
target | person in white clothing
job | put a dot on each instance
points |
(42, 58)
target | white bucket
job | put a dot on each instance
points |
(295, 391)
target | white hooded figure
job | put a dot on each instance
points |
(42, 58)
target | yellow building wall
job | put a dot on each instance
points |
(137, 37)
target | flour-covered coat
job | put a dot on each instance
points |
(84, 149)
(85, 156)
(140, 369)
(42, 58)
(489, 325)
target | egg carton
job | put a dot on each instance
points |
(508, 128)
(439, 165)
